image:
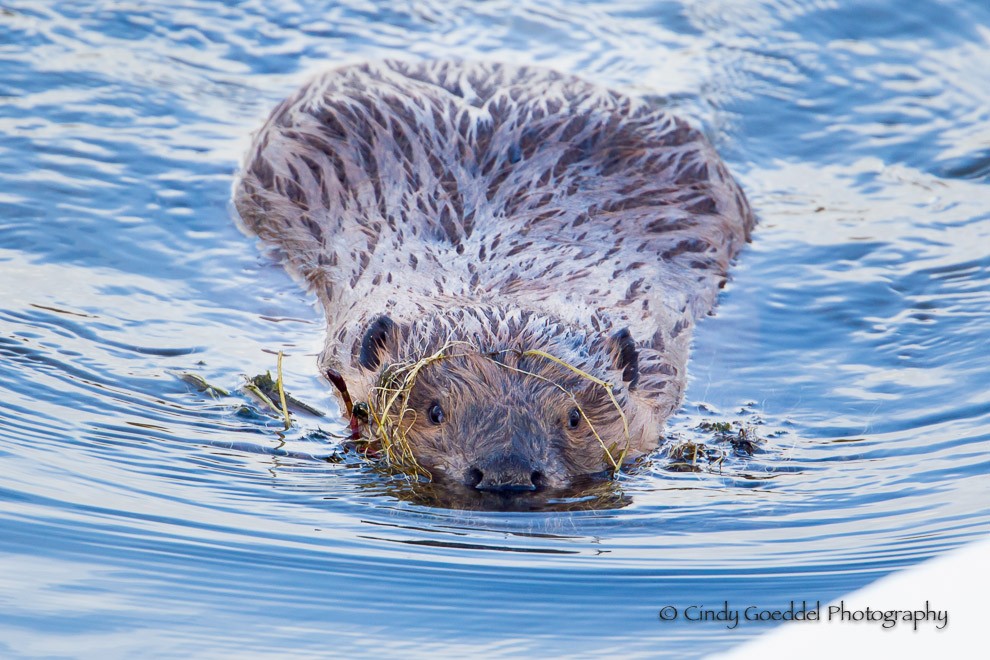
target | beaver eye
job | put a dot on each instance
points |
(435, 414)
(574, 418)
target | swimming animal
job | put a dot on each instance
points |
(511, 260)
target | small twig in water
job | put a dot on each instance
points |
(281, 394)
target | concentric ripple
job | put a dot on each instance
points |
(142, 516)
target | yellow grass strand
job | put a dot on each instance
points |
(256, 391)
(392, 434)
(281, 393)
(616, 463)
(605, 385)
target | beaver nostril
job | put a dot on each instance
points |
(504, 476)
(473, 477)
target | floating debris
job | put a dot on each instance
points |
(710, 445)
(266, 390)
(201, 384)
(742, 438)
(281, 394)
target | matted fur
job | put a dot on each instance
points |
(506, 207)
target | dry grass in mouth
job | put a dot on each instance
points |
(616, 464)
(390, 417)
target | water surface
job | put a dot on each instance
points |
(139, 516)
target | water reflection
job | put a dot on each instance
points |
(584, 494)
(139, 514)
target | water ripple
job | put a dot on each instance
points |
(145, 516)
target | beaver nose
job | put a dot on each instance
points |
(504, 474)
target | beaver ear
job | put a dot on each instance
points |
(625, 356)
(376, 338)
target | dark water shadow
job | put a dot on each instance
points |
(586, 493)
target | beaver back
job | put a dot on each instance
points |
(436, 184)
(490, 203)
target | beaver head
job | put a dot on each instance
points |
(519, 405)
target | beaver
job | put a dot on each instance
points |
(514, 257)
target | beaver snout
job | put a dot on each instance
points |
(504, 473)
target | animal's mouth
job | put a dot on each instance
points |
(506, 476)
(585, 492)
(523, 483)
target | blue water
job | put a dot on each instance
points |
(140, 517)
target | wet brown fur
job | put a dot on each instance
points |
(500, 210)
